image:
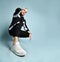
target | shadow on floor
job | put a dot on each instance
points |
(5, 37)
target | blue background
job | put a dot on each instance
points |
(43, 20)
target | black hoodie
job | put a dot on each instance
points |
(20, 19)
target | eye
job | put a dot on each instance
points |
(25, 12)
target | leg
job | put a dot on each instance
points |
(16, 47)
(24, 34)
(15, 40)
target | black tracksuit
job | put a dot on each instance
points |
(17, 29)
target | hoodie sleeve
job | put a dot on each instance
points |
(27, 28)
(14, 20)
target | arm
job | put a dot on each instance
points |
(27, 28)
(30, 34)
(13, 23)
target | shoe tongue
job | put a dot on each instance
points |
(17, 43)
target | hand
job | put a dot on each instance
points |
(30, 36)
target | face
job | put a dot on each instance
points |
(23, 11)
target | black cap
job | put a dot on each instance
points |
(17, 11)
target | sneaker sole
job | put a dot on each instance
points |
(16, 54)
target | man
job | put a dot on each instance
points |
(18, 29)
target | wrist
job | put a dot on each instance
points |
(29, 32)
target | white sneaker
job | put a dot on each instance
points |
(17, 49)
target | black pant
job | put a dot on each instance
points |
(19, 33)
(23, 34)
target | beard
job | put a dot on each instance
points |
(21, 14)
